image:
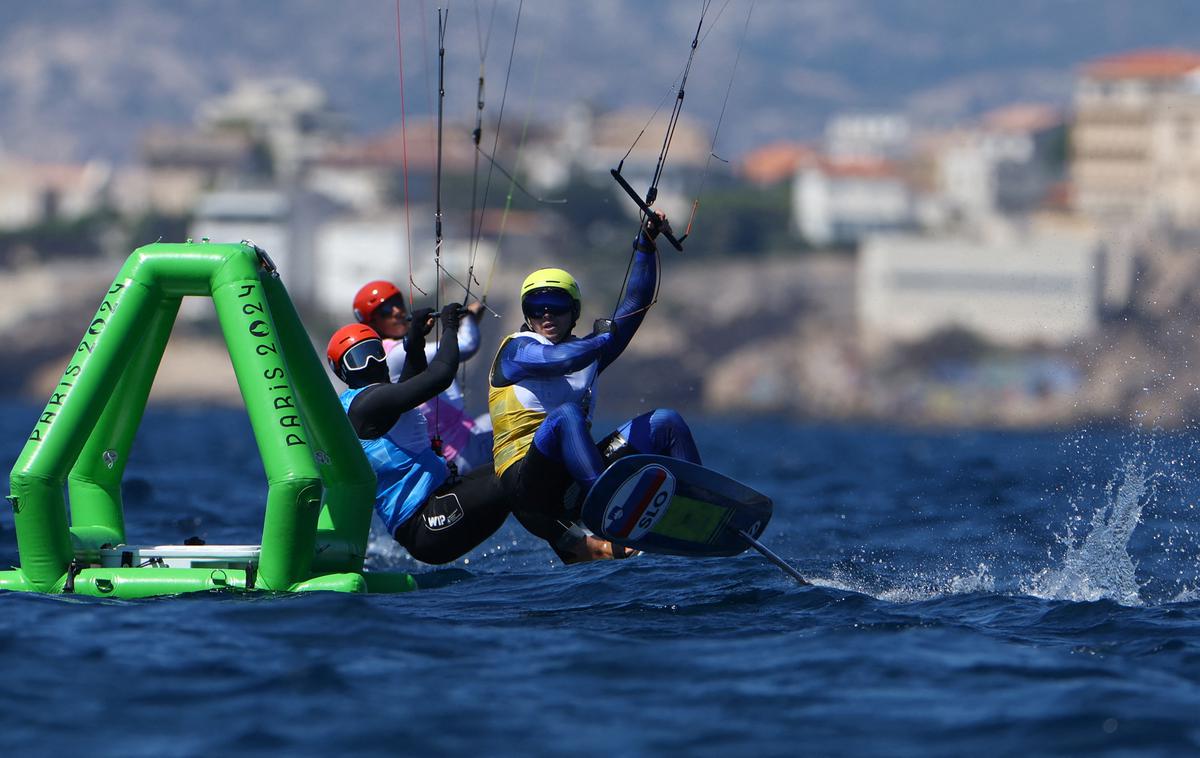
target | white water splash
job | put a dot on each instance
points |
(1186, 595)
(919, 587)
(1099, 567)
(979, 581)
(927, 587)
(383, 552)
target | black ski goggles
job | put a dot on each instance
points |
(552, 302)
(395, 303)
(361, 354)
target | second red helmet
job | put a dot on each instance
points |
(370, 296)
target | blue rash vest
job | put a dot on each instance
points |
(406, 478)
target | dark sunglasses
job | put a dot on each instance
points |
(392, 304)
(536, 306)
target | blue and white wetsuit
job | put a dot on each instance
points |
(542, 397)
(463, 442)
(435, 518)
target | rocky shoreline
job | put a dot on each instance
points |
(778, 337)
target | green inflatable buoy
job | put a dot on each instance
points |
(321, 489)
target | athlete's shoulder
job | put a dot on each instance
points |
(529, 335)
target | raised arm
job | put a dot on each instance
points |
(529, 359)
(415, 361)
(468, 339)
(639, 294)
(376, 409)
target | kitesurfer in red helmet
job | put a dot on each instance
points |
(437, 517)
(465, 442)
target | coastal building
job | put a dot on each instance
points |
(1006, 163)
(209, 157)
(879, 136)
(352, 250)
(177, 166)
(1136, 139)
(774, 163)
(34, 193)
(590, 144)
(282, 223)
(262, 134)
(378, 172)
(348, 252)
(838, 202)
(1015, 287)
(877, 174)
(291, 118)
(1026, 143)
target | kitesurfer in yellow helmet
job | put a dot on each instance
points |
(542, 396)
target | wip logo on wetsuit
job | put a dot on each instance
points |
(445, 512)
(639, 503)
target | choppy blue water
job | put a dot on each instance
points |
(996, 593)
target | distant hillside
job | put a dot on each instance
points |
(80, 78)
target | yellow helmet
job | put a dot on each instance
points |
(551, 279)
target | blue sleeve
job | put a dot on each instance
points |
(529, 359)
(468, 338)
(639, 294)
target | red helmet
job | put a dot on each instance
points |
(369, 297)
(351, 349)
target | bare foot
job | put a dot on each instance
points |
(595, 549)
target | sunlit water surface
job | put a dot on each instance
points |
(986, 592)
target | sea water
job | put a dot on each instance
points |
(994, 593)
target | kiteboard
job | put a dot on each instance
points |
(664, 505)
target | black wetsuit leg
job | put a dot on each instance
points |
(535, 486)
(456, 519)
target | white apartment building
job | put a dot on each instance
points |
(881, 136)
(838, 202)
(1039, 286)
(351, 251)
(1003, 164)
(260, 216)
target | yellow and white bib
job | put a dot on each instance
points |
(518, 409)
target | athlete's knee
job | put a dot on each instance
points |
(558, 425)
(668, 417)
(566, 415)
(673, 434)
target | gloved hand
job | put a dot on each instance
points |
(603, 326)
(422, 318)
(451, 314)
(657, 223)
